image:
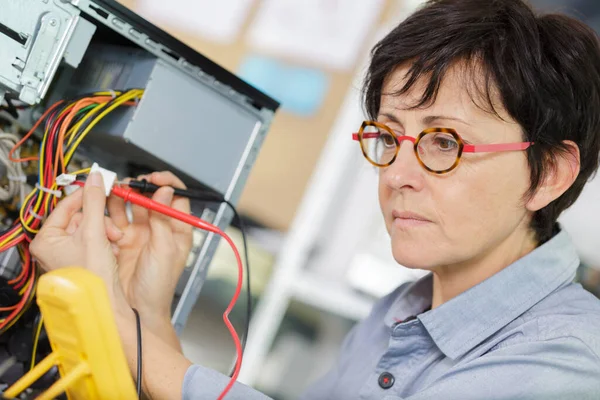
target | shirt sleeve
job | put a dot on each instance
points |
(202, 383)
(557, 369)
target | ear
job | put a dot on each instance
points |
(558, 178)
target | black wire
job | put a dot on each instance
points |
(146, 187)
(248, 291)
(10, 108)
(139, 352)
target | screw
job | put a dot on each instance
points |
(52, 22)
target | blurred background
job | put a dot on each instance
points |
(319, 253)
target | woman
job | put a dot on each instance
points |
(486, 127)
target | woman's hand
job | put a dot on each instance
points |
(78, 234)
(153, 250)
(71, 237)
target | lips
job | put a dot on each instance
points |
(407, 215)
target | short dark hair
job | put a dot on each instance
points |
(545, 69)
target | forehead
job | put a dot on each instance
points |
(462, 93)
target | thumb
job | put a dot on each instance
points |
(160, 225)
(94, 203)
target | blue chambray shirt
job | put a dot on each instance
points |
(527, 332)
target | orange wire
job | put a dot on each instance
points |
(65, 125)
(24, 270)
(20, 143)
(13, 242)
(63, 129)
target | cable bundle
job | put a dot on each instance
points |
(65, 125)
(14, 171)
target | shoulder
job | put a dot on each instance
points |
(570, 312)
(563, 326)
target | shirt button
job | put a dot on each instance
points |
(386, 380)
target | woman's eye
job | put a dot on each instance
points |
(387, 139)
(445, 143)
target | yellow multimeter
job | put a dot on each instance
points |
(85, 342)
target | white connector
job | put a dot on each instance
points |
(65, 179)
(108, 177)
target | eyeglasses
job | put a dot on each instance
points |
(438, 149)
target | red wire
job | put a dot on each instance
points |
(22, 303)
(140, 200)
(20, 280)
(35, 126)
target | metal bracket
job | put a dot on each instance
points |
(43, 47)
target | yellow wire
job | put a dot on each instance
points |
(89, 114)
(81, 171)
(12, 236)
(25, 223)
(78, 125)
(24, 288)
(36, 207)
(106, 93)
(123, 99)
(36, 340)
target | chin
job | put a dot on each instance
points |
(415, 256)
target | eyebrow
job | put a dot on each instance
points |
(427, 120)
(431, 118)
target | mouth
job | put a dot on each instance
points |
(406, 219)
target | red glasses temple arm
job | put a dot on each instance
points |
(489, 148)
(370, 135)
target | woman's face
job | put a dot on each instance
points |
(476, 207)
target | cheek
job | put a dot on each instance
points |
(474, 208)
(384, 195)
(485, 200)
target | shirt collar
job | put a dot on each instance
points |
(465, 321)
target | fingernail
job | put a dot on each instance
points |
(95, 179)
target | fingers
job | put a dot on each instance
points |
(64, 211)
(74, 223)
(94, 203)
(116, 210)
(113, 233)
(160, 225)
(115, 250)
(164, 195)
(167, 178)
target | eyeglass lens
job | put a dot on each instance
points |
(438, 151)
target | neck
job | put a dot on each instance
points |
(451, 280)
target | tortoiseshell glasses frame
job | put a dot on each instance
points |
(446, 142)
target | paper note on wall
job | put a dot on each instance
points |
(219, 21)
(300, 90)
(328, 33)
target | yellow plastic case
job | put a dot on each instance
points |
(84, 339)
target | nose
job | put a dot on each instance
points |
(405, 172)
